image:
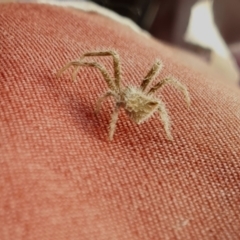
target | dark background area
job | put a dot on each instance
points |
(167, 20)
(159, 17)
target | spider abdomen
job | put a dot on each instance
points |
(138, 105)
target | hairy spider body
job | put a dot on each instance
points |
(138, 103)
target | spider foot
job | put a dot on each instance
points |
(64, 68)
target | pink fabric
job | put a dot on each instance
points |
(60, 178)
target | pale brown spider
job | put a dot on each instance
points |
(139, 104)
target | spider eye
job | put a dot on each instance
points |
(152, 104)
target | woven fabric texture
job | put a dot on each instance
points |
(60, 177)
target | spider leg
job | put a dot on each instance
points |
(157, 66)
(176, 84)
(102, 98)
(78, 64)
(64, 68)
(165, 119)
(74, 74)
(113, 122)
(116, 62)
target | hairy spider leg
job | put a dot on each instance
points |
(103, 98)
(116, 63)
(75, 71)
(154, 71)
(176, 84)
(164, 118)
(113, 122)
(104, 72)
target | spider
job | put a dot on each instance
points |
(138, 102)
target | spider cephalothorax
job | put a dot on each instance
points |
(139, 104)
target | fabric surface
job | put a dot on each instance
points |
(60, 177)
